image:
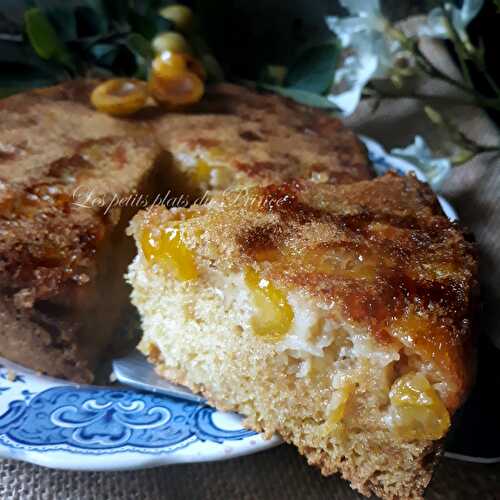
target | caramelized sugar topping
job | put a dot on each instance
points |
(266, 138)
(49, 229)
(380, 254)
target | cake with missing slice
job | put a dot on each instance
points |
(340, 317)
(63, 252)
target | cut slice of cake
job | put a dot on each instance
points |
(67, 174)
(340, 317)
(236, 136)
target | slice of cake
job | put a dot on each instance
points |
(239, 137)
(340, 317)
(67, 175)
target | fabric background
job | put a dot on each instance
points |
(281, 473)
(278, 474)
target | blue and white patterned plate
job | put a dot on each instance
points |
(58, 424)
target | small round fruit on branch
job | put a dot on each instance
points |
(180, 15)
(170, 42)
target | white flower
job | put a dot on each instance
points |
(420, 155)
(437, 26)
(368, 51)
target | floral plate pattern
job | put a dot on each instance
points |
(57, 424)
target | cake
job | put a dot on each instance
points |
(63, 251)
(72, 177)
(236, 136)
(338, 316)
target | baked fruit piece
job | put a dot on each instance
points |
(237, 137)
(338, 316)
(63, 249)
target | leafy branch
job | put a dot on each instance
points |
(308, 78)
(63, 40)
(467, 53)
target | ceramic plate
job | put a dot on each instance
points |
(58, 424)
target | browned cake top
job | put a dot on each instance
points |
(61, 165)
(380, 252)
(266, 137)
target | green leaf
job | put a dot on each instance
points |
(314, 69)
(44, 39)
(143, 53)
(202, 51)
(41, 34)
(149, 25)
(87, 42)
(140, 46)
(301, 96)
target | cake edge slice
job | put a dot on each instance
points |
(158, 326)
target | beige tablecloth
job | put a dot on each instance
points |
(281, 473)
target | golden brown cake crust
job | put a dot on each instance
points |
(381, 248)
(266, 138)
(416, 479)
